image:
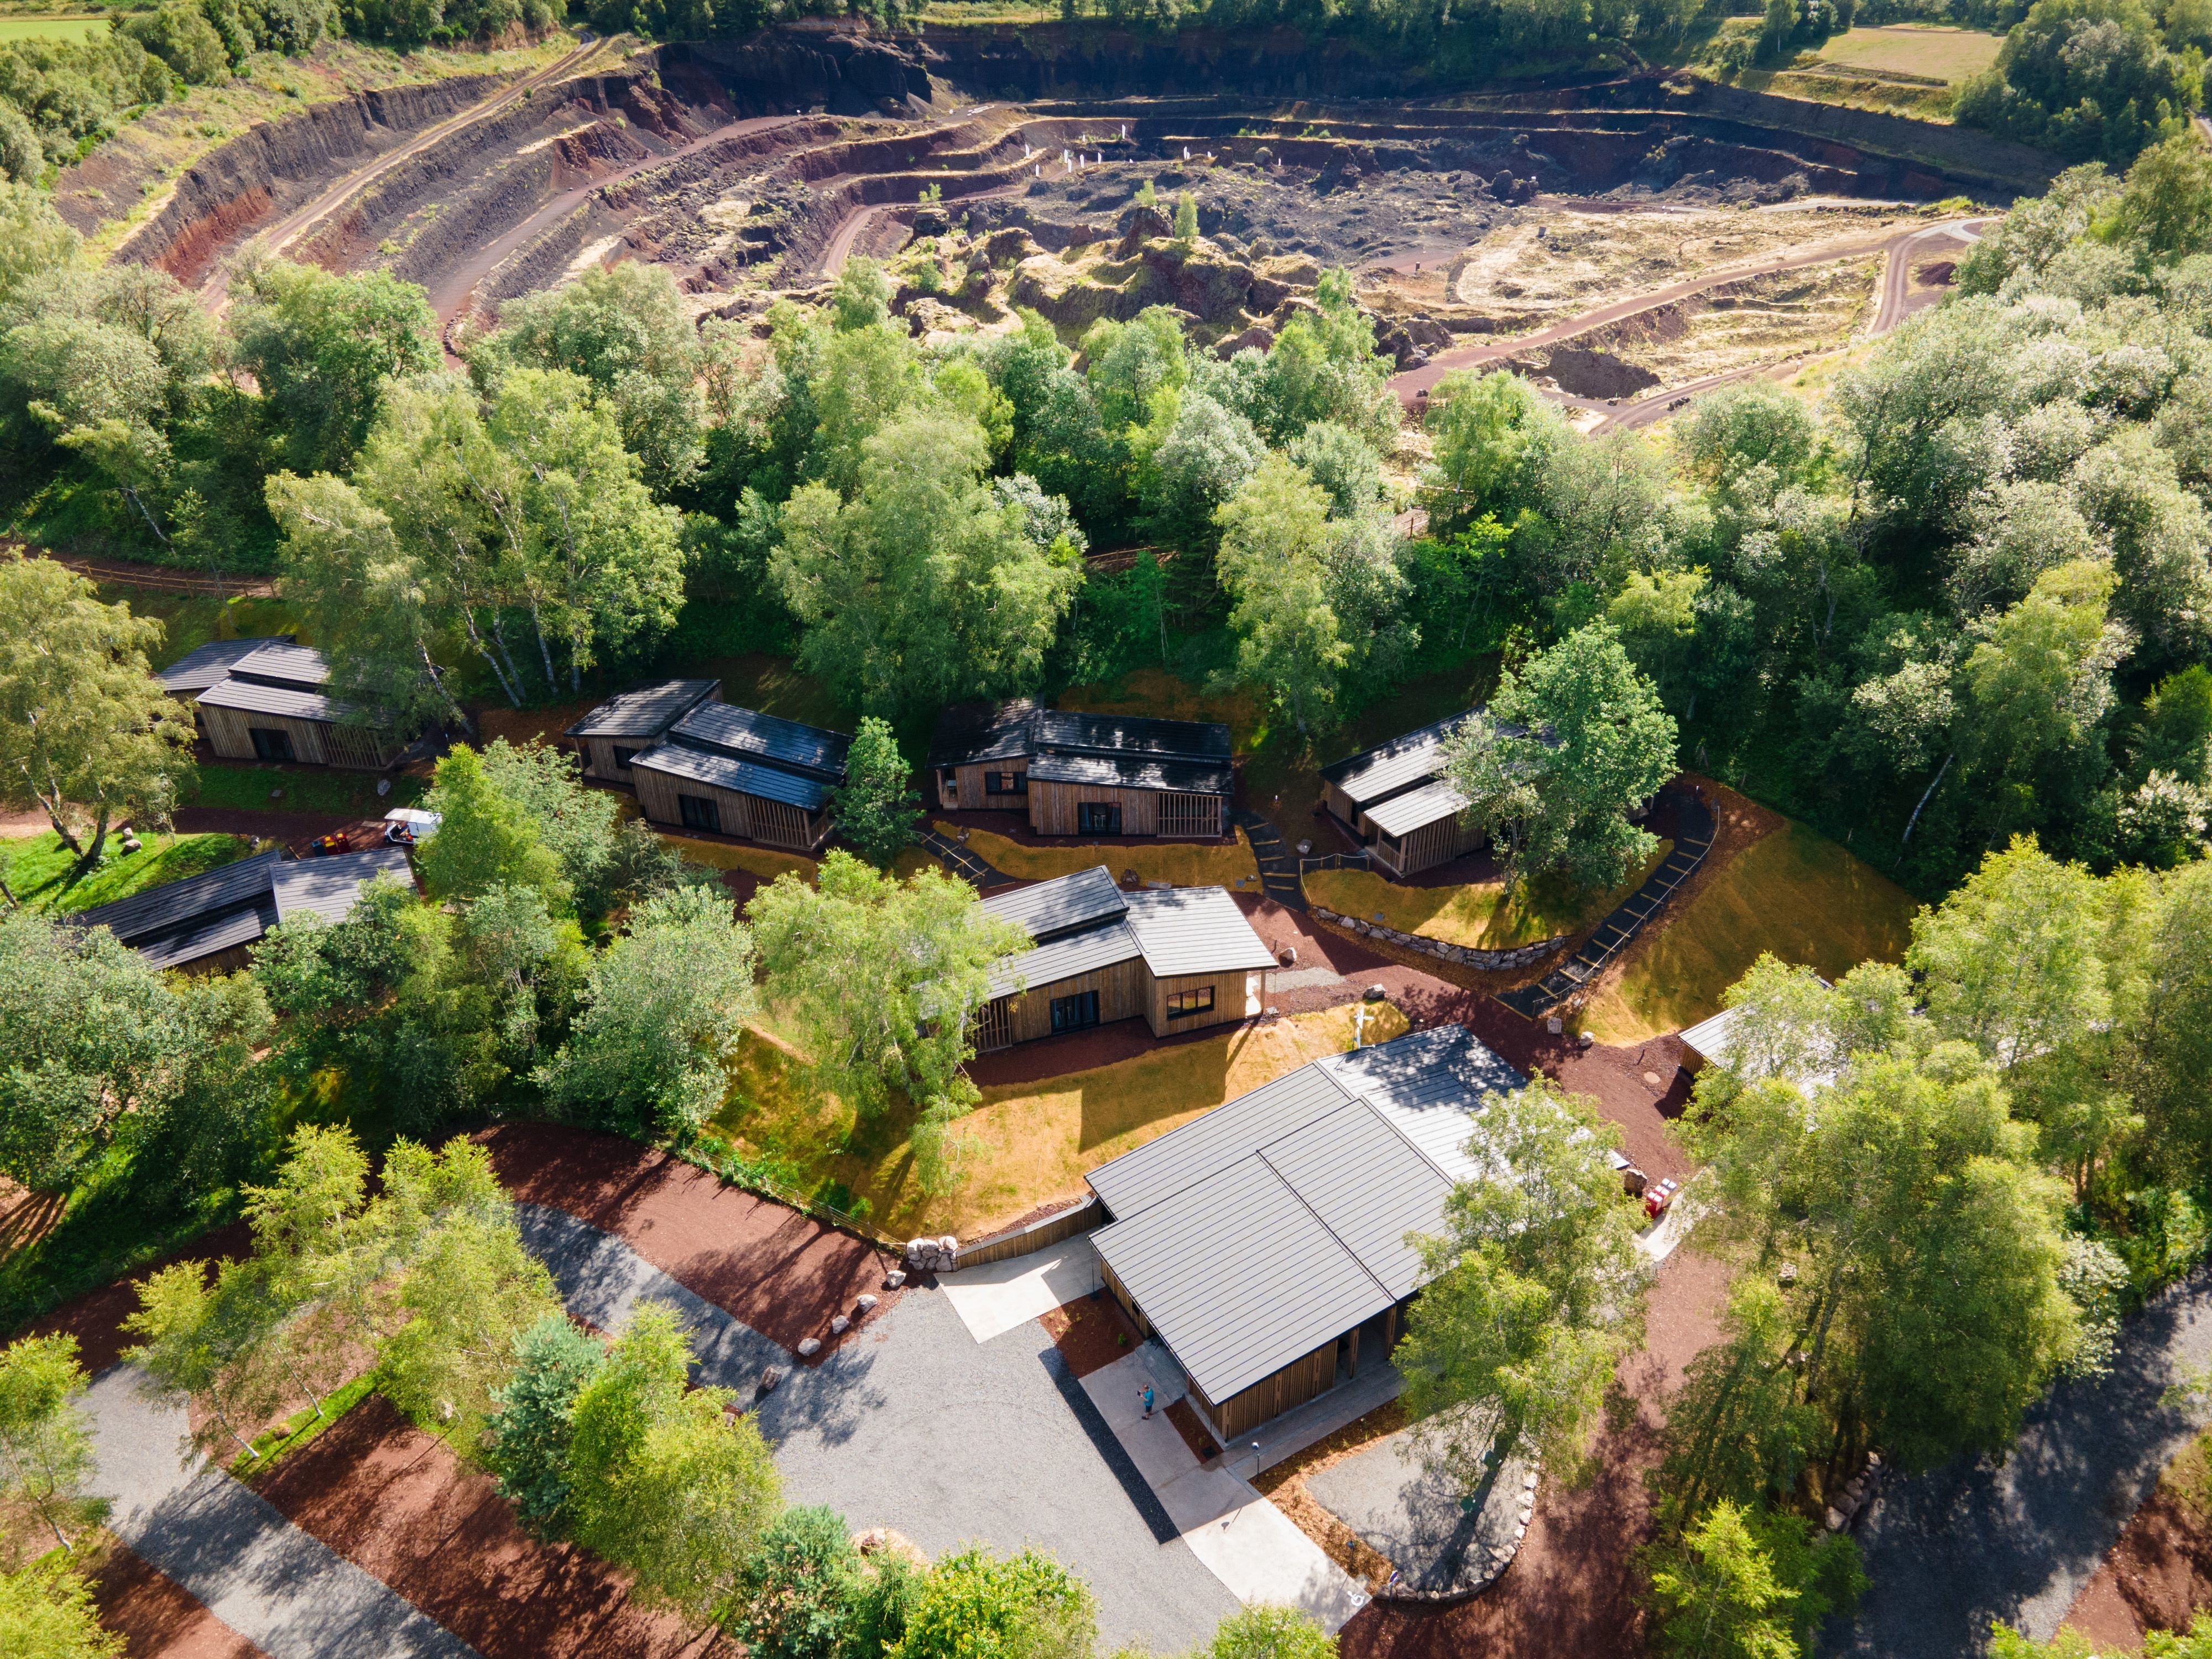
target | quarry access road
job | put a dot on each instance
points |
(276, 238)
(1414, 382)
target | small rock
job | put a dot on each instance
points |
(1555, 1025)
(949, 1244)
(1375, 994)
(809, 1347)
(1587, 1039)
(769, 1378)
(1651, 1080)
(864, 1303)
(1786, 1274)
(894, 1278)
(1288, 956)
(1305, 848)
(840, 1325)
(1835, 1521)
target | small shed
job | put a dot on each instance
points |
(623, 728)
(209, 666)
(271, 706)
(1394, 800)
(1267, 1243)
(729, 771)
(1184, 958)
(209, 923)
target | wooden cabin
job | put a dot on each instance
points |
(625, 726)
(1264, 1243)
(1090, 775)
(1181, 958)
(728, 771)
(209, 923)
(271, 706)
(1394, 799)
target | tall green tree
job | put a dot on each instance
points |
(532, 1423)
(88, 735)
(876, 810)
(48, 1613)
(975, 1605)
(1267, 1630)
(1534, 1292)
(45, 1448)
(485, 837)
(1275, 544)
(1569, 745)
(799, 1587)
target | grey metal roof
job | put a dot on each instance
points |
(253, 697)
(175, 904)
(1071, 731)
(1403, 761)
(748, 734)
(1417, 808)
(704, 766)
(196, 671)
(283, 662)
(1083, 899)
(1134, 772)
(328, 887)
(1064, 957)
(196, 941)
(1194, 930)
(646, 712)
(970, 733)
(1239, 1276)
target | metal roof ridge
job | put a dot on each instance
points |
(1336, 1237)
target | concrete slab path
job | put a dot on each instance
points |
(253, 1570)
(1244, 1541)
(995, 1297)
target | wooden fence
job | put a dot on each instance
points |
(1037, 1235)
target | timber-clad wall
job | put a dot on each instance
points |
(1037, 1236)
(1430, 844)
(1231, 1001)
(1271, 1396)
(772, 822)
(314, 743)
(969, 795)
(1052, 807)
(1341, 804)
(599, 757)
(1027, 1016)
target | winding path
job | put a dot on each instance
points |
(1959, 1546)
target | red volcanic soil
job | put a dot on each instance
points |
(155, 1616)
(781, 1272)
(2159, 1572)
(398, 1503)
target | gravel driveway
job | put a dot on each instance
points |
(1954, 1549)
(918, 1426)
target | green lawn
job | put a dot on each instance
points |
(38, 869)
(1484, 915)
(191, 620)
(245, 787)
(1794, 893)
(1949, 55)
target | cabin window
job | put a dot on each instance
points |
(1073, 1013)
(624, 757)
(270, 743)
(1098, 817)
(1183, 1004)
(1006, 783)
(700, 812)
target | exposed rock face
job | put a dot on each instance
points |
(1598, 374)
(788, 71)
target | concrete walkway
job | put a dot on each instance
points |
(272, 1584)
(1978, 1540)
(1244, 1541)
(995, 1297)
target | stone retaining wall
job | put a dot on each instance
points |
(1466, 956)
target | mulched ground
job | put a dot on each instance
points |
(781, 1272)
(96, 1319)
(400, 1505)
(2159, 1572)
(1091, 1334)
(155, 1616)
(1284, 1486)
(1571, 1588)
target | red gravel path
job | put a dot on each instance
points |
(2158, 1574)
(398, 1503)
(157, 1617)
(96, 1319)
(1570, 1591)
(781, 1272)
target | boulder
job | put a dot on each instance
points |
(1375, 994)
(840, 1325)
(809, 1347)
(864, 1304)
(769, 1378)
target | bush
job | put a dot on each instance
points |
(974, 1605)
(798, 1587)
(181, 35)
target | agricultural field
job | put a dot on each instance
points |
(1909, 70)
(51, 28)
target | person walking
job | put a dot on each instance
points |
(1148, 1401)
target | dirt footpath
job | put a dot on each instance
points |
(398, 1503)
(781, 1272)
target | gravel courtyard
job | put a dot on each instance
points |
(917, 1426)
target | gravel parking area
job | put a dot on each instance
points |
(912, 1424)
(1413, 1516)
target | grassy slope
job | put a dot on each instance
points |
(1482, 914)
(1793, 893)
(1183, 863)
(1032, 1142)
(38, 869)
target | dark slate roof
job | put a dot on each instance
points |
(1401, 815)
(327, 887)
(174, 903)
(1066, 956)
(285, 664)
(1403, 762)
(681, 760)
(747, 734)
(196, 671)
(1260, 1232)
(1069, 731)
(1063, 904)
(969, 733)
(647, 712)
(1194, 930)
(1135, 772)
(258, 697)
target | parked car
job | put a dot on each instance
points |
(404, 826)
